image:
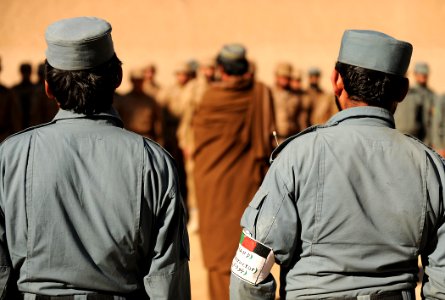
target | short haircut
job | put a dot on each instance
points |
(373, 87)
(86, 91)
(25, 69)
(233, 67)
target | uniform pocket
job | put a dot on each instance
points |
(258, 199)
(250, 216)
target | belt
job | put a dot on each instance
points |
(72, 297)
(92, 296)
(396, 295)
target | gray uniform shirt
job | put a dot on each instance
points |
(87, 206)
(439, 123)
(414, 114)
(347, 208)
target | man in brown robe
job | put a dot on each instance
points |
(233, 128)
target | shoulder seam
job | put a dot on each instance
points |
(301, 133)
(29, 129)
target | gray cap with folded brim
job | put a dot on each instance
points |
(232, 52)
(79, 43)
(375, 51)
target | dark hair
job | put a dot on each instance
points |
(233, 67)
(25, 69)
(373, 87)
(86, 91)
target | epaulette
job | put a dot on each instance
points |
(29, 129)
(312, 128)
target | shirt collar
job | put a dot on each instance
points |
(376, 115)
(109, 115)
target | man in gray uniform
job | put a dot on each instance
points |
(415, 115)
(88, 209)
(347, 207)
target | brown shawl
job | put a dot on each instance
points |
(233, 140)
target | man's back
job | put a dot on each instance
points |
(82, 201)
(361, 191)
(345, 208)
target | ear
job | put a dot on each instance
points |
(403, 90)
(337, 83)
(48, 91)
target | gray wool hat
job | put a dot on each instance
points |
(314, 71)
(79, 43)
(232, 52)
(375, 51)
(422, 68)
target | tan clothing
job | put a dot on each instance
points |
(10, 113)
(322, 106)
(172, 103)
(141, 114)
(291, 112)
(233, 139)
(151, 89)
(191, 98)
(171, 99)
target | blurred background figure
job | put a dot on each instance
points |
(194, 66)
(321, 105)
(252, 70)
(10, 114)
(296, 82)
(139, 112)
(24, 92)
(171, 101)
(42, 109)
(296, 86)
(232, 128)
(414, 115)
(150, 86)
(314, 76)
(286, 104)
(438, 130)
(191, 97)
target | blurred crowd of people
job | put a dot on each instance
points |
(25, 104)
(165, 113)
